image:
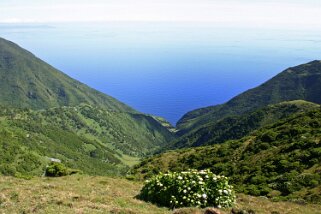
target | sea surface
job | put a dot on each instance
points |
(163, 68)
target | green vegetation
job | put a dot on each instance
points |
(236, 127)
(266, 149)
(47, 114)
(87, 138)
(28, 82)
(270, 150)
(56, 169)
(165, 123)
(281, 161)
(189, 189)
(297, 83)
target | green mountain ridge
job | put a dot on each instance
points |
(47, 114)
(236, 127)
(281, 160)
(296, 83)
(267, 139)
(29, 82)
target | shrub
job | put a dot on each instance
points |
(6, 169)
(190, 188)
(58, 169)
(274, 193)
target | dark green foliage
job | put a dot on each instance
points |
(188, 189)
(281, 160)
(58, 169)
(297, 83)
(83, 137)
(236, 127)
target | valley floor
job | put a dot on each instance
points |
(87, 194)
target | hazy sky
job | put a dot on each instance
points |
(258, 13)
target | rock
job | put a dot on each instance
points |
(238, 211)
(242, 211)
(55, 160)
(234, 211)
(250, 211)
(187, 211)
(212, 211)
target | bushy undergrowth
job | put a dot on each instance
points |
(58, 169)
(281, 161)
(190, 188)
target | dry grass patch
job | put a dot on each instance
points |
(263, 205)
(86, 194)
(72, 194)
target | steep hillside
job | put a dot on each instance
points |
(46, 114)
(281, 161)
(236, 127)
(28, 82)
(94, 140)
(297, 83)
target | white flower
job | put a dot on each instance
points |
(204, 195)
(184, 191)
(225, 191)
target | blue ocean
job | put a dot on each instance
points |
(164, 68)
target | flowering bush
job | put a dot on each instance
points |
(186, 189)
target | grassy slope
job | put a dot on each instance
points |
(28, 82)
(297, 83)
(84, 194)
(281, 160)
(236, 127)
(94, 140)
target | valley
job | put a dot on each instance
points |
(265, 140)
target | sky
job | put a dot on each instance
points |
(256, 13)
